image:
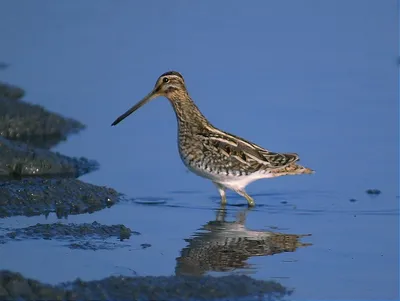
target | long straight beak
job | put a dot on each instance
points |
(145, 100)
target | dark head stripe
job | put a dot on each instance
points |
(172, 73)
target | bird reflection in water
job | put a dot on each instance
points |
(223, 246)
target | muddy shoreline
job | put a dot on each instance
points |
(13, 286)
(33, 179)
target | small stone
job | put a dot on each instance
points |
(145, 246)
(373, 191)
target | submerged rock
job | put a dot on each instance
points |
(18, 159)
(33, 124)
(35, 196)
(13, 286)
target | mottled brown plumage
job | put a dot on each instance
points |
(227, 160)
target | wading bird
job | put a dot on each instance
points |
(227, 160)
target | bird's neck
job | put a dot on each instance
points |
(187, 113)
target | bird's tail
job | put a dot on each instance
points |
(291, 169)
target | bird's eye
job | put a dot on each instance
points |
(165, 79)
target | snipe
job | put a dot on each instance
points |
(227, 160)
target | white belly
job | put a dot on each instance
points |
(231, 181)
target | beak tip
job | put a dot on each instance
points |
(134, 108)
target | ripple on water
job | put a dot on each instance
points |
(151, 200)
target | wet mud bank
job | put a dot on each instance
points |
(93, 236)
(9, 91)
(35, 196)
(33, 179)
(18, 159)
(30, 123)
(13, 286)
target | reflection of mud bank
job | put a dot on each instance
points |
(92, 236)
(14, 286)
(224, 246)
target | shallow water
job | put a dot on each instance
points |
(320, 80)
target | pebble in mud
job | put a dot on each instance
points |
(35, 196)
(13, 286)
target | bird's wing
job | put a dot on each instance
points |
(244, 151)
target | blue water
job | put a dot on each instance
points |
(319, 78)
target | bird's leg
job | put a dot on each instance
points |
(221, 190)
(249, 199)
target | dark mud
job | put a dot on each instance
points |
(35, 196)
(82, 236)
(26, 131)
(33, 179)
(13, 286)
(95, 245)
(18, 159)
(223, 246)
(31, 123)
(10, 91)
